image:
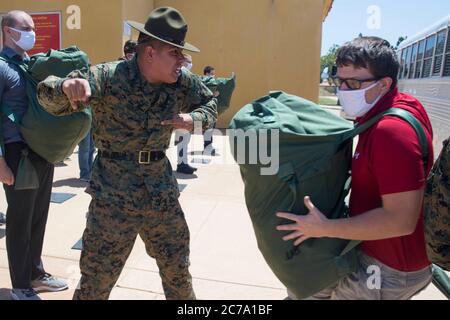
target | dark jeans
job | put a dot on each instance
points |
(86, 152)
(26, 219)
(208, 138)
(182, 140)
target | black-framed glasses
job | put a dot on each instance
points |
(352, 84)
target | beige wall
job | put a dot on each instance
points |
(101, 33)
(269, 44)
(137, 10)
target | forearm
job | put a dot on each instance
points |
(377, 224)
(206, 114)
(52, 97)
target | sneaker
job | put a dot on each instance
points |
(2, 219)
(185, 169)
(48, 283)
(24, 294)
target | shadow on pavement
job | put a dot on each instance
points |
(5, 294)
(72, 182)
(196, 153)
(185, 176)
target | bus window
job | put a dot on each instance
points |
(407, 62)
(413, 61)
(438, 57)
(420, 59)
(428, 58)
(402, 63)
(447, 57)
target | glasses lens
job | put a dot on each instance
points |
(353, 84)
(337, 82)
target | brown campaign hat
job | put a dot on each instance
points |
(167, 25)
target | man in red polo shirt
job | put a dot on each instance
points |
(388, 182)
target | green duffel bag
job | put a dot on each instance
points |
(57, 63)
(52, 137)
(225, 87)
(315, 153)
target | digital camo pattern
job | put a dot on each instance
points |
(436, 209)
(129, 198)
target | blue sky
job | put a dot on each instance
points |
(388, 19)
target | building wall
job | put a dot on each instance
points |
(269, 44)
(137, 10)
(101, 32)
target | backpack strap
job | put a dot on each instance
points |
(417, 126)
(404, 115)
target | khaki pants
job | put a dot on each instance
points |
(376, 281)
(109, 238)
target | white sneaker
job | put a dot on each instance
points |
(48, 283)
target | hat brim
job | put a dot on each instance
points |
(141, 28)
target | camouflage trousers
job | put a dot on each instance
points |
(109, 237)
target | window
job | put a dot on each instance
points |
(413, 60)
(407, 63)
(428, 57)
(439, 55)
(420, 53)
(447, 56)
(402, 63)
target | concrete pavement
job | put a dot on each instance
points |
(225, 261)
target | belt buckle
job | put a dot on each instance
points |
(147, 157)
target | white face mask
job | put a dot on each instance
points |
(354, 101)
(27, 39)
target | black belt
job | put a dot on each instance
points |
(141, 157)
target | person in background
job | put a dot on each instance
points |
(129, 50)
(208, 149)
(182, 139)
(86, 150)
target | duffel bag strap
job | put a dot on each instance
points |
(402, 114)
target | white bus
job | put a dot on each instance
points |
(425, 74)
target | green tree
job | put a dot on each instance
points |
(400, 40)
(329, 60)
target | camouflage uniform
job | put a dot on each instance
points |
(131, 198)
(436, 209)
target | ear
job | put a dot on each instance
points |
(386, 83)
(7, 30)
(146, 53)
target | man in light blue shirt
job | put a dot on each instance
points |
(27, 213)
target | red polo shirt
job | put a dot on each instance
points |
(388, 160)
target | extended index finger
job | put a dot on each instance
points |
(288, 216)
(174, 121)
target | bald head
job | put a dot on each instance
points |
(13, 23)
(17, 18)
